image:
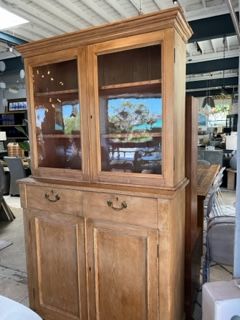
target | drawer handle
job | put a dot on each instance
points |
(52, 197)
(123, 205)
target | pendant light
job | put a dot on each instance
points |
(208, 101)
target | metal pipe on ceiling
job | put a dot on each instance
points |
(234, 19)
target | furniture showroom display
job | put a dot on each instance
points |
(104, 208)
(11, 122)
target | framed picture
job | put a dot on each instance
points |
(17, 105)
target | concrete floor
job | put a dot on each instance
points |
(13, 276)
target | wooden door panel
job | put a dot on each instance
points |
(122, 270)
(60, 266)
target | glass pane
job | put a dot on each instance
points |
(131, 111)
(57, 113)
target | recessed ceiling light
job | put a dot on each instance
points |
(9, 19)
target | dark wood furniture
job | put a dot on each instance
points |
(205, 178)
(193, 232)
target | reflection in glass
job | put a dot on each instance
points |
(59, 143)
(131, 134)
(57, 113)
(130, 106)
(58, 135)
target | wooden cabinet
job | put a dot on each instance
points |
(108, 184)
(107, 104)
(57, 266)
(122, 269)
(99, 250)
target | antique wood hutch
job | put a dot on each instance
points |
(104, 208)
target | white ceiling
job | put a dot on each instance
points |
(53, 17)
(48, 18)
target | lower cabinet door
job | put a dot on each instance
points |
(122, 268)
(57, 266)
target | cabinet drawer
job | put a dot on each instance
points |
(54, 199)
(121, 208)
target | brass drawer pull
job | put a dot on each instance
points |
(52, 197)
(122, 206)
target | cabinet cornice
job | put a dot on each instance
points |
(169, 18)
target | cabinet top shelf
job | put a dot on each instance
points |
(131, 84)
(149, 86)
(51, 93)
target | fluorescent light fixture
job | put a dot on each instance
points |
(9, 20)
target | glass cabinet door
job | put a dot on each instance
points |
(57, 115)
(130, 109)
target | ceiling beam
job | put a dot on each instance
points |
(211, 28)
(213, 45)
(213, 65)
(212, 56)
(10, 39)
(212, 75)
(200, 48)
(227, 43)
(212, 83)
(212, 92)
(203, 13)
(234, 17)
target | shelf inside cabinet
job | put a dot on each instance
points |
(61, 136)
(18, 138)
(12, 125)
(13, 112)
(133, 134)
(51, 93)
(128, 87)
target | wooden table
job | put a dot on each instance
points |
(205, 179)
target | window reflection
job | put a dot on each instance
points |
(58, 135)
(130, 106)
(57, 113)
(131, 134)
